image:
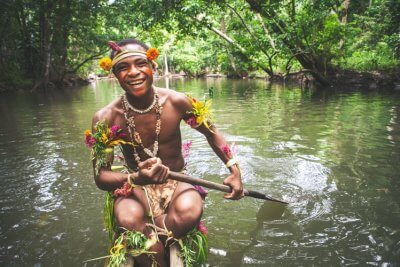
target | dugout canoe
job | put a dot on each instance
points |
(174, 259)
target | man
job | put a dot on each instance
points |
(151, 118)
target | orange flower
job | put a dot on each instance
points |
(88, 133)
(105, 63)
(152, 53)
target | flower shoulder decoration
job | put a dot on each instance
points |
(200, 113)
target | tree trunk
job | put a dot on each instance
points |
(166, 70)
(231, 58)
(271, 41)
(315, 64)
(346, 4)
(30, 70)
(293, 10)
(268, 69)
(236, 45)
(166, 47)
(45, 45)
(59, 42)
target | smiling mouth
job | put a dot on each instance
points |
(136, 82)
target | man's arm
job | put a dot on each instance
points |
(151, 171)
(104, 178)
(217, 143)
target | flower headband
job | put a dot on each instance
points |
(106, 63)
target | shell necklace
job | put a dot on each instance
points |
(135, 136)
(140, 111)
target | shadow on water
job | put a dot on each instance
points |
(269, 211)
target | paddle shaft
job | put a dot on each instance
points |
(220, 187)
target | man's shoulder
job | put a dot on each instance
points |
(109, 112)
(176, 98)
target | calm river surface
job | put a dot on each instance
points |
(334, 155)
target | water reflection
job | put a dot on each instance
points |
(332, 154)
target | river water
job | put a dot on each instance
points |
(333, 154)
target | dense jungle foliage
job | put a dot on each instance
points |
(43, 42)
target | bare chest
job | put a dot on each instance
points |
(149, 127)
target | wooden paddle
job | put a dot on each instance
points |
(224, 188)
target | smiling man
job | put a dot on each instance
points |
(151, 118)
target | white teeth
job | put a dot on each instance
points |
(136, 83)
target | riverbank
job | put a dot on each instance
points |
(348, 78)
(345, 78)
(70, 80)
(370, 80)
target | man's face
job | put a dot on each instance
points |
(134, 73)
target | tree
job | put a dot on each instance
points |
(42, 42)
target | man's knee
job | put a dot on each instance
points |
(131, 217)
(188, 208)
(130, 222)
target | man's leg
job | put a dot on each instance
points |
(130, 213)
(184, 211)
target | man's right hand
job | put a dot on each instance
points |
(152, 171)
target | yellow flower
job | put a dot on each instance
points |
(105, 63)
(119, 141)
(88, 133)
(104, 138)
(108, 150)
(201, 111)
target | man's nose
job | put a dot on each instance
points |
(133, 71)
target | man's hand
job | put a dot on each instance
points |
(152, 171)
(234, 181)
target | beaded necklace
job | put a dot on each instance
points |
(140, 111)
(135, 136)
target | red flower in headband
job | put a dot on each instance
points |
(152, 53)
(114, 46)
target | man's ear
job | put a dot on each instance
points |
(153, 67)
